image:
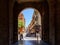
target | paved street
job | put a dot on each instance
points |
(30, 41)
(29, 38)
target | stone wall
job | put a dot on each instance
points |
(4, 31)
(58, 23)
(52, 22)
(11, 4)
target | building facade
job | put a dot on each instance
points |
(35, 22)
(21, 23)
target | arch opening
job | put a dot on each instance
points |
(29, 25)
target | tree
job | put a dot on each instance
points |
(20, 23)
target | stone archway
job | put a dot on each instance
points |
(42, 7)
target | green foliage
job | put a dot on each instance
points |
(20, 23)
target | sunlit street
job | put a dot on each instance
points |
(28, 38)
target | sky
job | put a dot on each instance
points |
(28, 13)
